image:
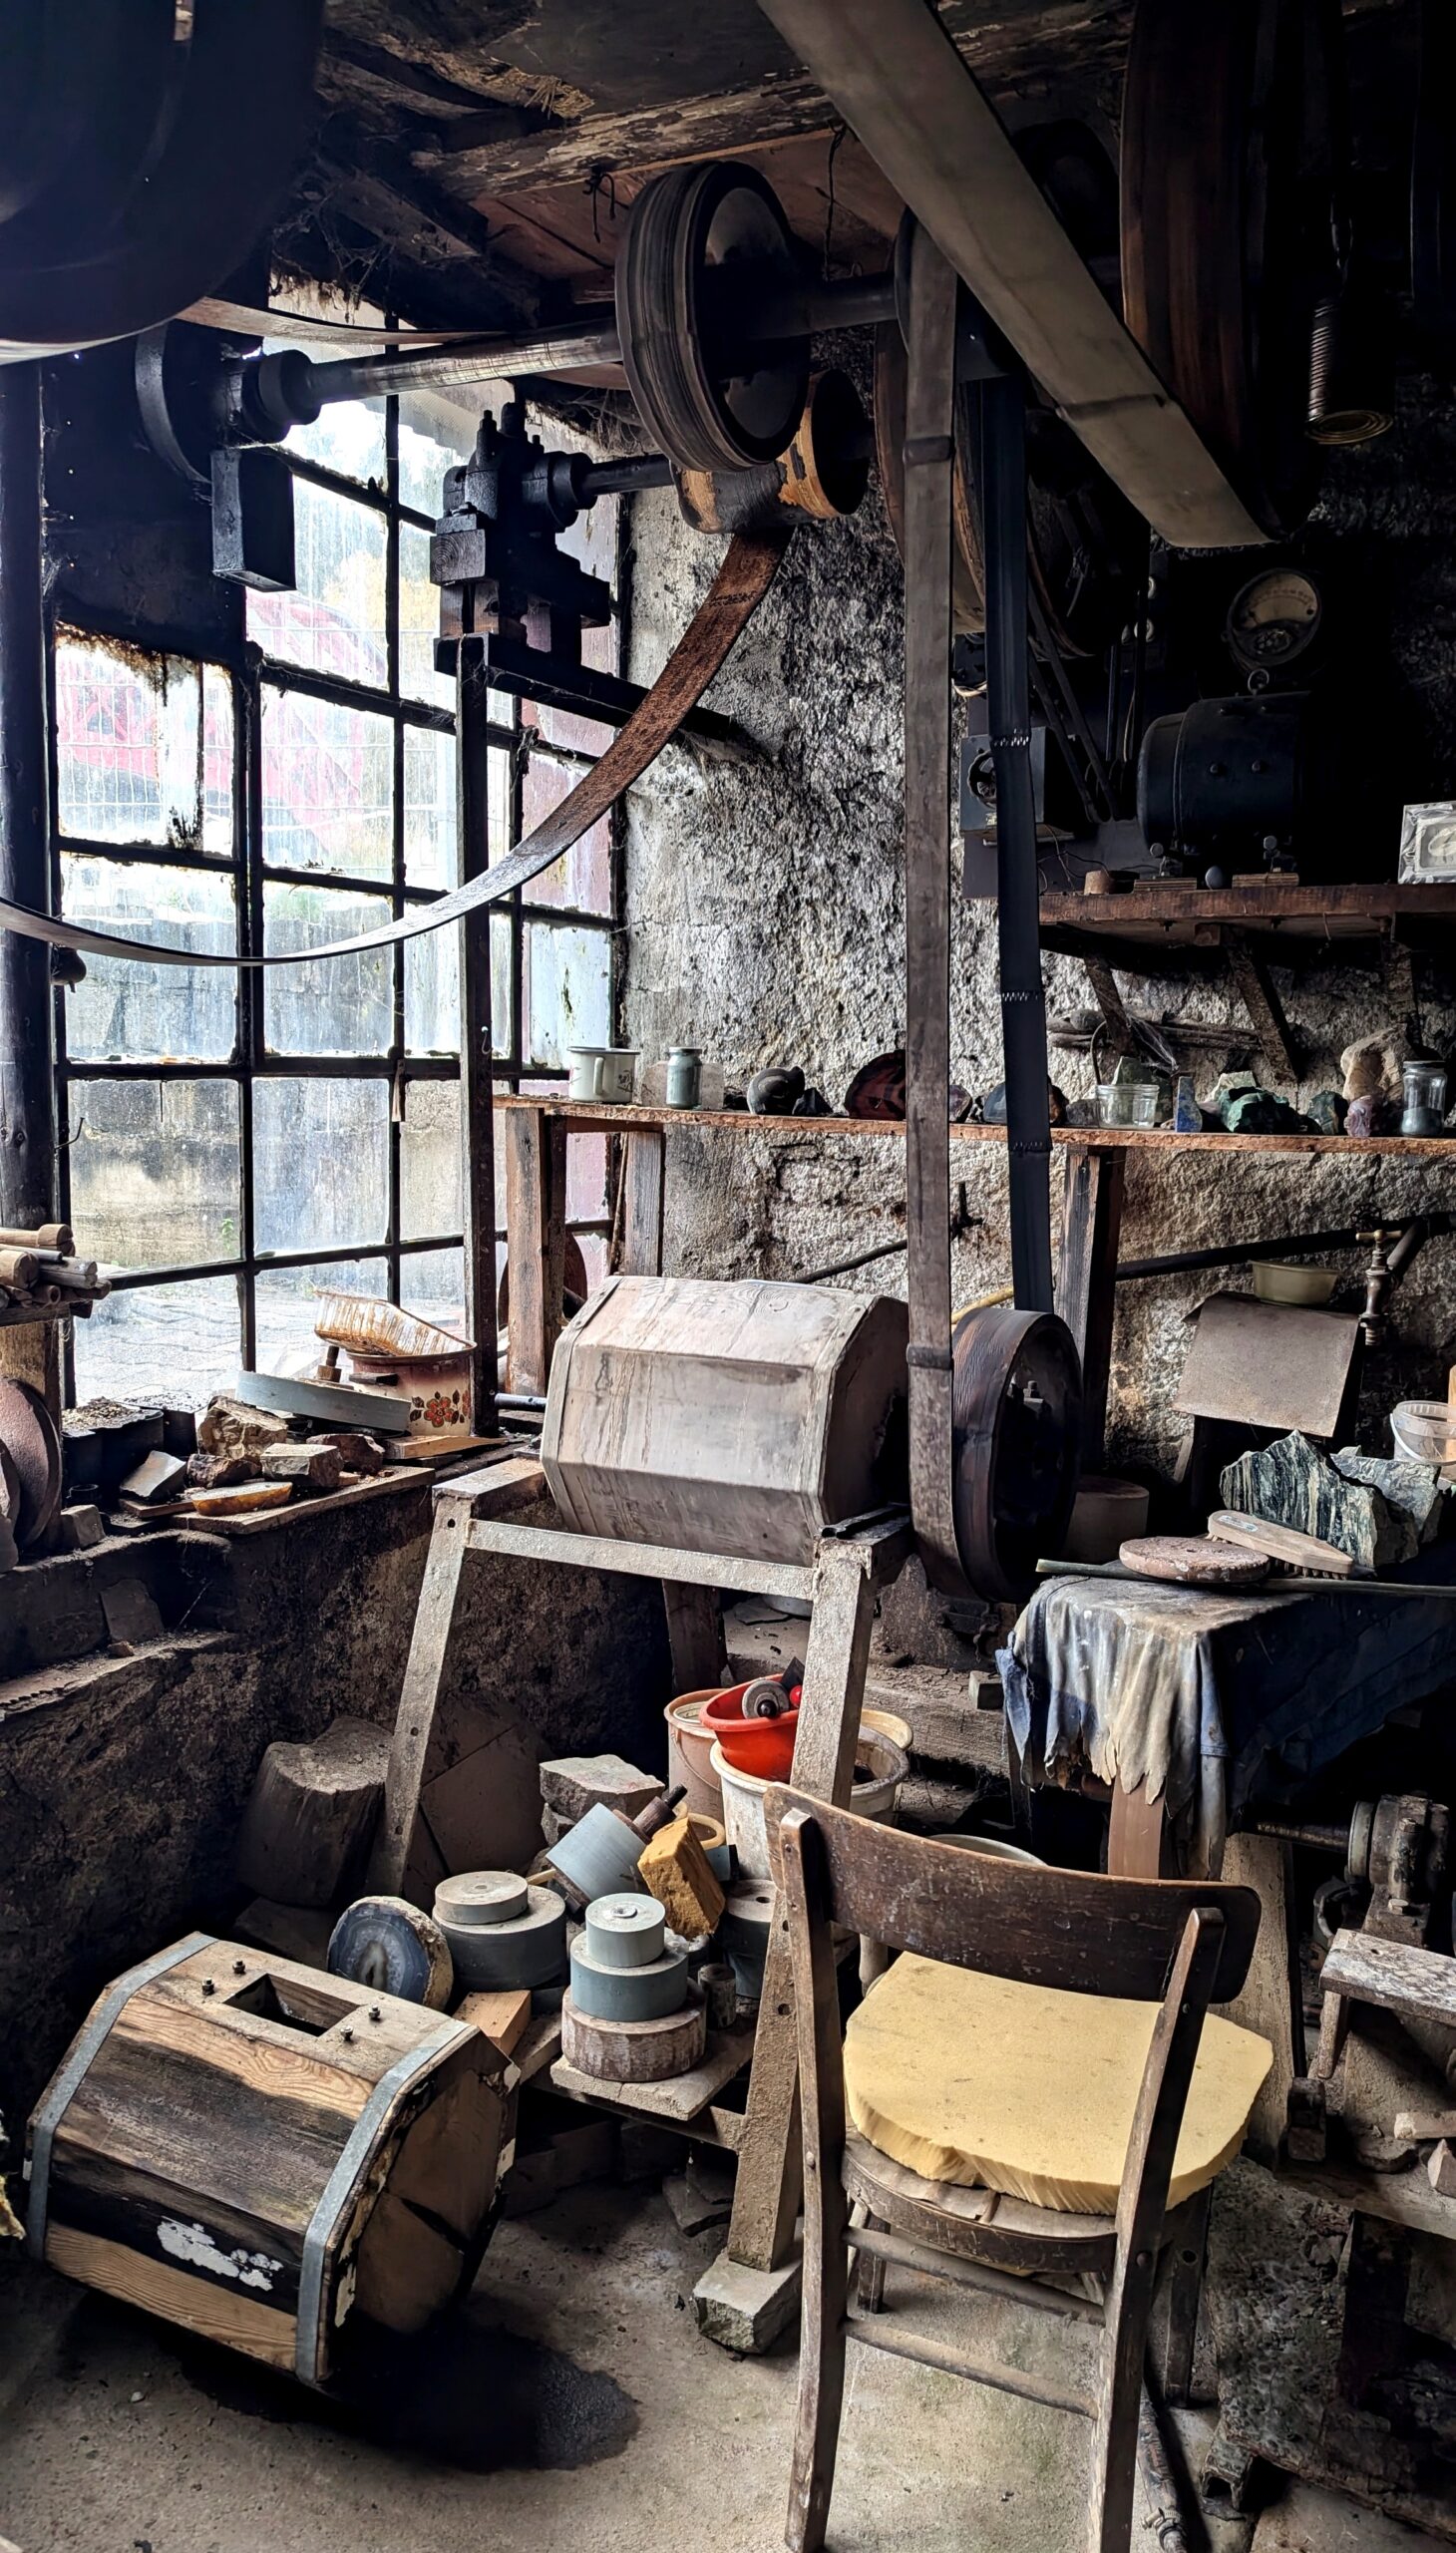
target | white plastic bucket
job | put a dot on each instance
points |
(743, 1798)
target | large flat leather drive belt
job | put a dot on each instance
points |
(748, 569)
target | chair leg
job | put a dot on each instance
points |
(1183, 2286)
(1115, 2459)
(870, 2283)
(821, 2363)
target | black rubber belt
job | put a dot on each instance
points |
(747, 572)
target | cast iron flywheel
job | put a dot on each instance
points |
(1016, 1420)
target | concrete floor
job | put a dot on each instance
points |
(571, 2408)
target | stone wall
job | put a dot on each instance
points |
(766, 923)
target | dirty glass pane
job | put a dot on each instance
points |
(586, 1179)
(568, 990)
(419, 620)
(287, 1303)
(155, 1172)
(432, 992)
(594, 1252)
(129, 1013)
(432, 1282)
(422, 461)
(217, 765)
(321, 1162)
(129, 745)
(175, 1343)
(429, 808)
(347, 436)
(341, 1005)
(582, 877)
(329, 786)
(334, 619)
(429, 1160)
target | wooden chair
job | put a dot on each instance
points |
(1182, 1945)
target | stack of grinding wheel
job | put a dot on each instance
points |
(503, 1931)
(631, 2015)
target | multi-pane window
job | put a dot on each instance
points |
(236, 1141)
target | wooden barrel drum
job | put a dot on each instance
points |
(255, 2151)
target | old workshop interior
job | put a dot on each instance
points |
(727, 1275)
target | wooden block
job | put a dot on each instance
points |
(570, 1784)
(1442, 2171)
(675, 1870)
(502, 2016)
(311, 1812)
(294, 1932)
(156, 1478)
(313, 1465)
(634, 2051)
(240, 1501)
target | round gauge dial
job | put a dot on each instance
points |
(1274, 618)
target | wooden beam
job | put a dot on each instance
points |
(899, 82)
(644, 137)
(1256, 987)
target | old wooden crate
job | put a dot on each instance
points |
(739, 1419)
(255, 2149)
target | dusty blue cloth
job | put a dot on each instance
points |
(1214, 1700)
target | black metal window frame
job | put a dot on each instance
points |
(251, 673)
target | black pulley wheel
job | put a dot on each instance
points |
(706, 395)
(1016, 1421)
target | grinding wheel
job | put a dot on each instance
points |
(1016, 1415)
(388, 1945)
(29, 1435)
(1194, 1560)
(528, 1948)
(9, 1486)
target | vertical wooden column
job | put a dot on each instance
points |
(644, 1171)
(1087, 1278)
(477, 1082)
(535, 1239)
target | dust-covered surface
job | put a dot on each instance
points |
(766, 924)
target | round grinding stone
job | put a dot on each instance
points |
(625, 1932)
(627, 1994)
(743, 1934)
(529, 1949)
(480, 1896)
(598, 1856)
(392, 1947)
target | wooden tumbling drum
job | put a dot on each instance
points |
(738, 1417)
(255, 2151)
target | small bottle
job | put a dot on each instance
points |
(684, 1076)
(1424, 1083)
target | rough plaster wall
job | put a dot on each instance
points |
(122, 1781)
(766, 923)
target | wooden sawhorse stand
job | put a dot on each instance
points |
(752, 2289)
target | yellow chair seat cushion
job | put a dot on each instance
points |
(997, 2085)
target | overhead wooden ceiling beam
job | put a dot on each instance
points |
(476, 161)
(899, 82)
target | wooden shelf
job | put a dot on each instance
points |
(26, 1315)
(584, 1117)
(1174, 921)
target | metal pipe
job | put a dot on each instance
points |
(27, 1090)
(1318, 1838)
(625, 477)
(843, 1267)
(1232, 1254)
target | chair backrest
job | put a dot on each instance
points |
(1041, 1926)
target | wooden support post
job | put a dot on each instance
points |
(535, 1241)
(1111, 1006)
(770, 2174)
(1256, 988)
(1271, 2001)
(1087, 1279)
(694, 1634)
(643, 1172)
(477, 1069)
(1139, 1845)
(404, 1862)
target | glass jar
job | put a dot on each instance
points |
(1424, 1108)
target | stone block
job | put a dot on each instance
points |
(745, 2309)
(312, 1465)
(570, 1784)
(230, 1426)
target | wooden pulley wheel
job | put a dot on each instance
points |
(1232, 128)
(709, 397)
(1017, 1416)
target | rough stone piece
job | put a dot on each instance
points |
(674, 1869)
(746, 2309)
(312, 1465)
(230, 1426)
(156, 1478)
(79, 1529)
(1416, 1490)
(357, 1453)
(1292, 1483)
(570, 1784)
(221, 1471)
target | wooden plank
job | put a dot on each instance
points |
(1086, 1286)
(694, 1635)
(643, 1560)
(901, 85)
(679, 2100)
(503, 2015)
(1256, 986)
(535, 1189)
(1393, 1974)
(224, 2314)
(1138, 1842)
(650, 137)
(644, 1169)
(477, 1073)
(1270, 2001)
